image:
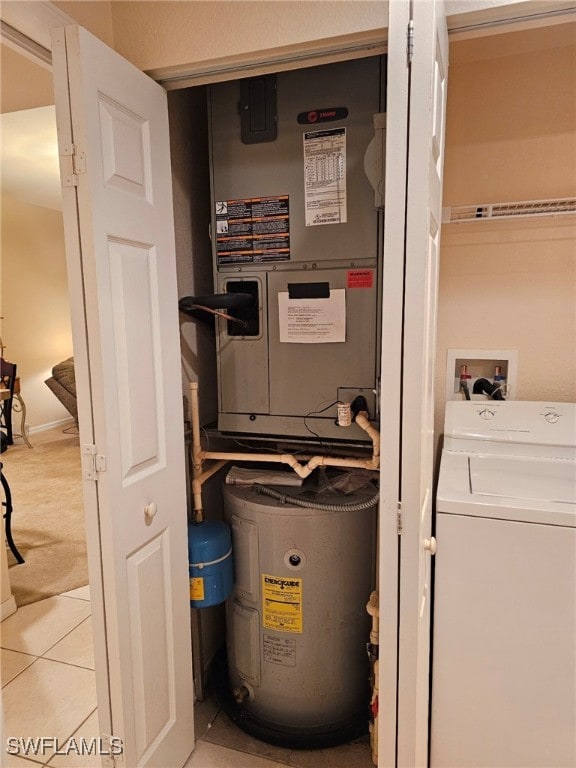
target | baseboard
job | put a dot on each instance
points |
(7, 608)
(52, 425)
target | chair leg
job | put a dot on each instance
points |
(7, 418)
(8, 519)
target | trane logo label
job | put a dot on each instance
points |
(282, 583)
(325, 115)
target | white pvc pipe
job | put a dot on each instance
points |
(197, 482)
(196, 452)
(373, 610)
(302, 470)
(195, 422)
(362, 421)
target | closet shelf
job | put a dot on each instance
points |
(522, 210)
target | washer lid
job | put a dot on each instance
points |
(523, 478)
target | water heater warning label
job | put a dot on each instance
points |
(280, 650)
(282, 603)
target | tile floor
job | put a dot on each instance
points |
(48, 689)
(47, 673)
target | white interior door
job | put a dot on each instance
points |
(428, 83)
(391, 366)
(117, 198)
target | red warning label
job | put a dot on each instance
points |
(360, 278)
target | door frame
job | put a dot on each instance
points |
(25, 27)
(34, 21)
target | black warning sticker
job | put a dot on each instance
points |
(253, 230)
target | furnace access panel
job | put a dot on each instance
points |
(294, 224)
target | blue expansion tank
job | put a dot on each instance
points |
(210, 563)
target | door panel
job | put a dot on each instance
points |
(125, 149)
(113, 126)
(133, 270)
(428, 73)
(151, 619)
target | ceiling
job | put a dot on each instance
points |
(29, 157)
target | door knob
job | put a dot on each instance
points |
(430, 545)
(150, 510)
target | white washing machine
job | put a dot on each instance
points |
(504, 637)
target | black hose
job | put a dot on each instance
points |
(217, 301)
(485, 387)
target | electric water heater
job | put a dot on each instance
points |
(297, 625)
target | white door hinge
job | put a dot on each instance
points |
(110, 746)
(79, 162)
(72, 164)
(410, 41)
(399, 519)
(92, 462)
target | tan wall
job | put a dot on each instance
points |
(159, 34)
(94, 15)
(16, 70)
(35, 307)
(511, 136)
(511, 117)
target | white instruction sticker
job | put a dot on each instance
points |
(325, 176)
(313, 321)
(279, 650)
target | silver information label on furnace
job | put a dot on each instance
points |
(325, 177)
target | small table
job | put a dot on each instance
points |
(19, 406)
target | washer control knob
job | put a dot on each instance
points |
(486, 414)
(552, 417)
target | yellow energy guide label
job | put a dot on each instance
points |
(282, 603)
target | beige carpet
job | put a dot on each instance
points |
(48, 516)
